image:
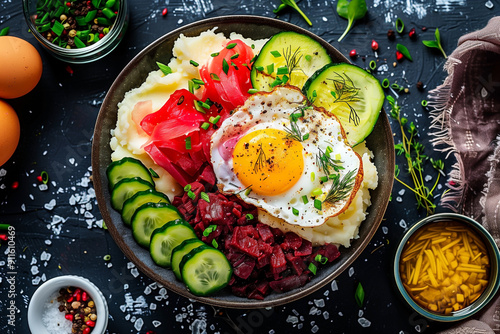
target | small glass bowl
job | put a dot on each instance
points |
(86, 54)
(494, 260)
(43, 294)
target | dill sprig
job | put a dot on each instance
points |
(292, 59)
(326, 162)
(346, 92)
(341, 188)
(413, 151)
(293, 132)
(260, 162)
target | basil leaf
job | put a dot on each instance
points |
(355, 10)
(430, 44)
(401, 48)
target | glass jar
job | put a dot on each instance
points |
(105, 43)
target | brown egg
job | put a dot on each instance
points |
(20, 67)
(9, 131)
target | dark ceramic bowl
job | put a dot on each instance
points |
(135, 73)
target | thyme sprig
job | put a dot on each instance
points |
(346, 92)
(413, 152)
(341, 188)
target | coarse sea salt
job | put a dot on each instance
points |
(52, 319)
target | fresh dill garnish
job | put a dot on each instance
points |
(326, 162)
(341, 188)
(292, 59)
(346, 92)
(261, 158)
(293, 132)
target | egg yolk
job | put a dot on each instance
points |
(268, 162)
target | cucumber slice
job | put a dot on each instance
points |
(140, 198)
(166, 238)
(205, 270)
(125, 189)
(178, 254)
(350, 93)
(127, 168)
(150, 216)
(298, 55)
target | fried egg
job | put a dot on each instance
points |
(286, 157)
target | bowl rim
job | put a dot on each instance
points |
(486, 296)
(99, 173)
(38, 299)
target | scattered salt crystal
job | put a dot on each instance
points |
(44, 277)
(351, 271)
(334, 285)
(134, 272)
(34, 270)
(3, 172)
(72, 200)
(44, 152)
(360, 313)
(109, 265)
(418, 328)
(313, 310)
(2, 263)
(152, 306)
(156, 323)
(123, 308)
(127, 317)
(23, 207)
(138, 324)
(130, 265)
(315, 329)
(326, 315)
(33, 260)
(125, 286)
(180, 21)
(292, 319)
(489, 4)
(427, 178)
(71, 161)
(385, 230)
(299, 326)
(49, 206)
(57, 219)
(295, 312)
(147, 290)
(326, 293)
(36, 280)
(402, 223)
(399, 199)
(402, 192)
(319, 302)
(364, 322)
(341, 314)
(178, 317)
(43, 187)
(162, 292)
(199, 326)
(325, 19)
(45, 256)
(31, 197)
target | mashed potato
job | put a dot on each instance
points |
(127, 140)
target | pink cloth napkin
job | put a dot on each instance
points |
(466, 122)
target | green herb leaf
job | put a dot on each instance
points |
(195, 64)
(436, 44)
(312, 268)
(355, 10)
(431, 44)
(292, 4)
(164, 68)
(359, 296)
(404, 50)
(214, 77)
(231, 46)
(4, 31)
(342, 6)
(153, 173)
(215, 244)
(225, 66)
(204, 196)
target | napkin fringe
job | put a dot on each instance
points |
(441, 107)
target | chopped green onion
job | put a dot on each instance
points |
(323, 178)
(270, 68)
(108, 13)
(234, 65)
(313, 176)
(321, 259)
(4, 31)
(373, 65)
(203, 104)
(230, 46)
(214, 77)
(188, 143)
(249, 216)
(252, 91)
(214, 243)
(215, 119)
(308, 57)
(329, 149)
(225, 66)
(110, 3)
(215, 54)
(187, 187)
(316, 192)
(312, 268)
(78, 42)
(191, 194)
(195, 64)
(385, 83)
(90, 15)
(236, 55)
(209, 230)
(164, 68)
(282, 70)
(57, 28)
(106, 257)
(103, 21)
(400, 26)
(276, 54)
(45, 177)
(205, 126)
(359, 296)
(198, 81)
(424, 103)
(204, 196)
(295, 211)
(284, 79)
(304, 199)
(305, 137)
(248, 191)
(317, 204)
(253, 46)
(276, 82)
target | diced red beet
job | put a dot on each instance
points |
(289, 283)
(292, 241)
(264, 247)
(263, 287)
(241, 241)
(331, 252)
(278, 261)
(239, 290)
(245, 268)
(255, 294)
(296, 262)
(263, 261)
(305, 249)
(265, 233)
(207, 176)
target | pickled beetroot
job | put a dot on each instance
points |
(263, 258)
